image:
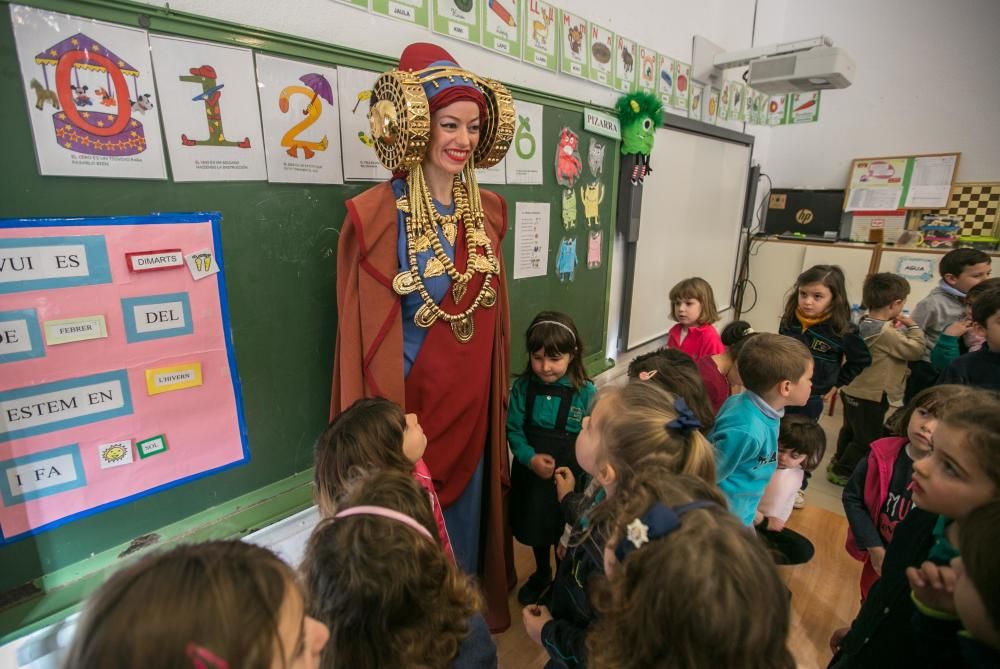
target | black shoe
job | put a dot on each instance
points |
(534, 587)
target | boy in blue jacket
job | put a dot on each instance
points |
(777, 372)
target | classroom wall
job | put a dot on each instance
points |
(667, 26)
(927, 82)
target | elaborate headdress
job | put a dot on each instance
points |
(428, 79)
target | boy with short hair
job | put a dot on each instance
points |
(960, 269)
(980, 368)
(777, 372)
(867, 397)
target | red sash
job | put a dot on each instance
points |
(448, 387)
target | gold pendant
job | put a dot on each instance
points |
(404, 283)
(480, 237)
(433, 268)
(463, 329)
(489, 297)
(450, 231)
(481, 263)
(421, 243)
(425, 316)
(458, 291)
(403, 204)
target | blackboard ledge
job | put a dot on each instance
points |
(60, 593)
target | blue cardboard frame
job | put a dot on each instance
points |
(213, 218)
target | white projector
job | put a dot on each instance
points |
(817, 69)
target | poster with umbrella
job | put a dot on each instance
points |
(299, 109)
(90, 96)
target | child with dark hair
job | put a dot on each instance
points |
(373, 434)
(719, 371)
(213, 604)
(679, 378)
(964, 594)
(692, 305)
(981, 368)
(960, 270)
(962, 336)
(548, 403)
(893, 340)
(776, 371)
(961, 473)
(387, 591)
(878, 494)
(817, 314)
(801, 444)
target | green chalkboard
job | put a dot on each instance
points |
(279, 243)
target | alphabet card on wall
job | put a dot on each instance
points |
(626, 71)
(539, 35)
(524, 160)
(137, 361)
(90, 95)
(665, 79)
(574, 58)
(602, 55)
(208, 96)
(458, 19)
(411, 11)
(647, 70)
(501, 31)
(299, 108)
(682, 86)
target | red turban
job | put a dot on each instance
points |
(421, 55)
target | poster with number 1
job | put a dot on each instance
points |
(299, 108)
(208, 96)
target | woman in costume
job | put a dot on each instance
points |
(422, 299)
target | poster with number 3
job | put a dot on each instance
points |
(208, 99)
(299, 108)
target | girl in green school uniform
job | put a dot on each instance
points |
(548, 402)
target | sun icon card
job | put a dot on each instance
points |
(115, 454)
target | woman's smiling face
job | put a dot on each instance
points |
(454, 136)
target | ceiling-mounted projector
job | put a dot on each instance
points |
(814, 70)
(800, 66)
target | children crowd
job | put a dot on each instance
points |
(656, 510)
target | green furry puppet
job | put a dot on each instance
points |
(640, 115)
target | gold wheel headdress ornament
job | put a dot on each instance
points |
(400, 123)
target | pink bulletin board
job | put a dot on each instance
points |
(117, 374)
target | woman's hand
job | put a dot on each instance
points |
(543, 465)
(565, 482)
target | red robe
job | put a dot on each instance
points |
(368, 360)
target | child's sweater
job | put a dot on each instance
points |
(745, 438)
(980, 370)
(942, 307)
(838, 358)
(890, 350)
(544, 413)
(564, 637)
(700, 340)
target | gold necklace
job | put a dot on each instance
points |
(423, 220)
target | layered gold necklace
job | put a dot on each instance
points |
(424, 227)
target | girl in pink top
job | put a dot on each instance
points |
(373, 434)
(719, 371)
(692, 305)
